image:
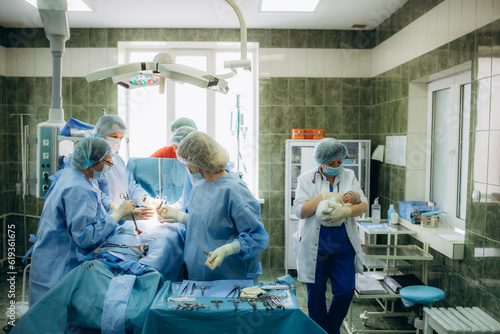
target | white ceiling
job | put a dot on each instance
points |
(330, 14)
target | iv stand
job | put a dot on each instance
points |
(24, 169)
(238, 127)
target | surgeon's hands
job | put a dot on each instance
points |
(171, 214)
(126, 208)
(339, 213)
(143, 213)
(215, 258)
(150, 202)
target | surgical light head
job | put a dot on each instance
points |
(200, 150)
(108, 124)
(328, 149)
(180, 134)
(147, 74)
(90, 151)
(183, 121)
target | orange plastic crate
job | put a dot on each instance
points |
(308, 133)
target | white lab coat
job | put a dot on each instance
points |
(306, 239)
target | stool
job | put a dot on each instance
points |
(421, 294)
(459, 320)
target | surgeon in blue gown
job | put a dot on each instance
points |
(120, 180)
(224, 217)
(74, 221)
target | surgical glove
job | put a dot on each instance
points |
(125, 209)
(340, 213)
(168, 211)
(251, 293)
(215, 258)
(150, 202)
(325, 196)
(143, 213)
(113, 207)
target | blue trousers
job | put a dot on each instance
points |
(340, 269)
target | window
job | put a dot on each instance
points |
(149, 114)
(448, 132)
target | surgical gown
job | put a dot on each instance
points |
(120, 181)
(219, 213)
(73, 223)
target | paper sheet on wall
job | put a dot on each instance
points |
(402, 150)
(388, 149)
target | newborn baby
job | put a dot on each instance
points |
(326, 206)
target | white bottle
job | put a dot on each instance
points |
(389, 214)
(376, 211)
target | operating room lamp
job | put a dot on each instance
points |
(147, 74)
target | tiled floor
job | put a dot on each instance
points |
(269, 275)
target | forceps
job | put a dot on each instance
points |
(126, 196)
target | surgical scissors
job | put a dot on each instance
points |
(126, 197)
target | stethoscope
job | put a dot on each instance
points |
(322, 178)
(317, 172)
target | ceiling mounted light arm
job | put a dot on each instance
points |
(147, 74)
(244, 63)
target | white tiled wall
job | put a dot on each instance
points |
(37, 62)
(444, 23)
(2, 61)
(315, 63)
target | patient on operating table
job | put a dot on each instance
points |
(326, 206)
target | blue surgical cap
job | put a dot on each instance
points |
(328, 149)
(90, 151)
(183, 121)
(180, 134)
(201, 150)
(108, 124)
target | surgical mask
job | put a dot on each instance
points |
(194, 176)
(332, 171)
(102, 174)
(114, 143)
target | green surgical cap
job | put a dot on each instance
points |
(108, 124)
(180, 134)
(328, 149)
(183, 121)
(90, 151)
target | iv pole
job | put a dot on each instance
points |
(238, 127)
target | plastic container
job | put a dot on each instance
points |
(376, 211)
(407, 207)
(389, 213)
(308, 133)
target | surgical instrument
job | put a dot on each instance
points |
(192, 288)
(142, 236)
(236, 291)
(202, 288)
(142, 247)
(216, 302)
(100, 250)
(181, 299)
(126, 196)
(184, 290)
(236, 302)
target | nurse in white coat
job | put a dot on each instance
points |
(328, 250)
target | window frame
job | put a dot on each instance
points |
(455, 84)
(209, 49)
